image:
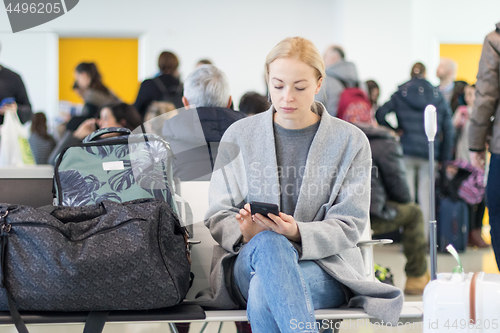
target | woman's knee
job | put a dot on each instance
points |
(269, 239)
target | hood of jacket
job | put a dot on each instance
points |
(418, 93)
(200, 125)
(344, 70)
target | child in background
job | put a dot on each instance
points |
(461, 122)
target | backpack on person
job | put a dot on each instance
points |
(353, 102)
(172, 94)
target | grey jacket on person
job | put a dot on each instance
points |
(487, 103)
(339, 76)
(332, 208)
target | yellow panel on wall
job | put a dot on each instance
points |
(116, 60)
(467, 56)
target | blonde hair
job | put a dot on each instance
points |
(297, 48)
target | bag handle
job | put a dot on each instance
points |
(100, 132)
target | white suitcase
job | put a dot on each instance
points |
(452, 303)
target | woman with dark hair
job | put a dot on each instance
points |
(166, 87)
(41, 142)
(112, 115)
(373, 93)
(88, 84)
(409, 103)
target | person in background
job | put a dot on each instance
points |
(485, 127)
(340, 74)
(204, 62)
(453, 91)
(12, 86)
(195, 132)
(447, 73)
(461, 122)
(166, 87)
(373, 93)
(253, 103)
(88, 84)
(409, 103)
(157, 113)
(391, 206)
(41, 142)
(112, 115)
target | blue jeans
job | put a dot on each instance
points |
(281, 292)
(493, 203)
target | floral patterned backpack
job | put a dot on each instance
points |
(119, 168)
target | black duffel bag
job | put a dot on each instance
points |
(107, 256)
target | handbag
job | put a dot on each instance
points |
(101, 257)
(124, 168)
(14, 147)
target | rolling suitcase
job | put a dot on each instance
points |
(453, 226)
(458, 301)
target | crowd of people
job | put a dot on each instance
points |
(368, 166)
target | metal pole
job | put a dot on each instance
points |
(432, 222)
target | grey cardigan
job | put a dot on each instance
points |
(332, 209)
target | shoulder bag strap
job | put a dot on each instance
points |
(163, 89)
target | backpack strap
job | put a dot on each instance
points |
(344, 82)
(163, 89)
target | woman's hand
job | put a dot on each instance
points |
(283, 224)
(248, 227)
(85, 128)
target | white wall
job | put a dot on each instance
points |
(235, 35)
(384, 37)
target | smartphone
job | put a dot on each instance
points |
(7, 100)
(264, 208)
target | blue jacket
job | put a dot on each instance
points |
(409, 103)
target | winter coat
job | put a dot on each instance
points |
(487, 103)
(331, 211)
(193, 135)
(340, 73)
(388, 172)
(409, 103)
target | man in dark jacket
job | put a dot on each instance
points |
(482, 127)
(409, 103)
(391, 206)
(11, 85)
(194, 134)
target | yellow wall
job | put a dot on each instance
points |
(116, 60)
(467, 56)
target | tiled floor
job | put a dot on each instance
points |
(387, 256)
